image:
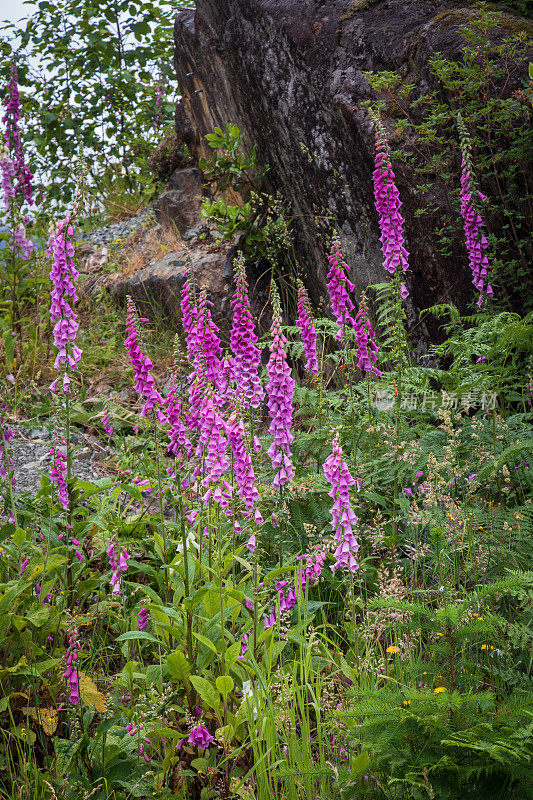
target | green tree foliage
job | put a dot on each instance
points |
(95, 74)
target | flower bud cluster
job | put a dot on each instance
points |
(71, 672)
(307, 329)
(338, 287)
(366, 346)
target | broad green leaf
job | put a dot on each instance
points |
(179, 668)
(207, 692)
(224, 684)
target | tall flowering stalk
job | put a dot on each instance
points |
(280, 391)
(244, 366)
(71, 671)
(11, 118)
(204, 353)
(388, 204)
(58, 474)
(338, 287)
(189, 318)
(63, 274)
(367, 348)
(242, 463)
(212, 444)
(476, 241)
(7, 465)
(343, 519)
(142, 366)
(307, 329)
(17, 189)
(108, 428)
(119, 564)
(391, 223)
(210, 355)
(179, 444)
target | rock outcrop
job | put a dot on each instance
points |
(156, 287)
(290, 74)
(181, 203)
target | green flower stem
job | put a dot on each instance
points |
(185, 568)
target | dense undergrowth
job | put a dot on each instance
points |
(280, 589)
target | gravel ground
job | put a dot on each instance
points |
(30, 451)
(109, 233)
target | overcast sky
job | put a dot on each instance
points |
(14, 10)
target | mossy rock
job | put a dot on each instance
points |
(355, 8)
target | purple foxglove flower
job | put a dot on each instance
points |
(343, 519)
(24, 566)
(8, 178)
(179, 443)
(251, 544)
(307, 330)
(7, 465)
(123, 560)
(211, 350)
(20, 242)
(59, 470)
(108, 428)
(117, 566)
(244, 647)
(141, 363)
(71, 672)
(13, 139)
(200, 737)
(189, 319)
(244, 366)
(270, 620)
(338, 287)
(476, 241)
(142, 618)
(388, 204)
(203, 347)
(242, 463)
(63, 296)
(280, 390)
(364, 335)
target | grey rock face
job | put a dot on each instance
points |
(290, 74)
(156, 287)
(181, 204)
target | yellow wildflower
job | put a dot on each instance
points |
(440, 689)
(487, 647)
(392, 649)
